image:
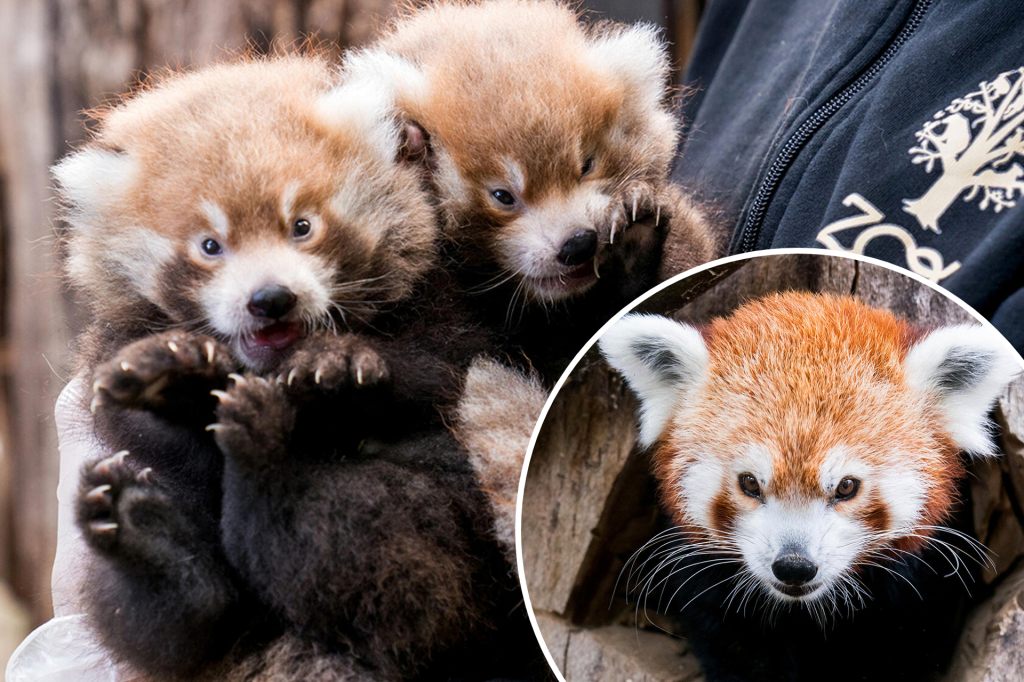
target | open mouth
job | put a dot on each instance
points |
(267, 344)
(569, 281)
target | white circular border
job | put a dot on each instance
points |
(633, 304)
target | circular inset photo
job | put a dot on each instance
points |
(786, 466)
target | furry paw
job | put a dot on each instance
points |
(255, 418)
(120, 506)
(159, 370)
(331, 363)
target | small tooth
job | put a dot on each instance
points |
(222, 396)
(634, 209)
(615, 227)
(214, 427)
(359, 376)
(596, 273)
(657, 216)
(209, 351)
(291, 376)
(316, 376)
(237, 378)
(173, 346)
(125, 367)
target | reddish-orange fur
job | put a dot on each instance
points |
(801, 374)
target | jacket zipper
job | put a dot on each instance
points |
(753, 223)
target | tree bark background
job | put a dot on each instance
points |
(60, 57)
(589, 499)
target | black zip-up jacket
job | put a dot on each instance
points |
(892, 128)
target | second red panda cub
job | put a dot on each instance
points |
(808, 450)
(550, 138)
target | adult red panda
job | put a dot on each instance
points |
(807, 449)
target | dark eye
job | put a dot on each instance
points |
(211, 247)
(847, 488)
(750, 486)
(588, 166)
(301, 228)
(503, 196)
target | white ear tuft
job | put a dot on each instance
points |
(92, 180)
(966, 367)
(366, 99)
(661, 359)
(637, 56)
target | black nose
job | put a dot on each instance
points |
(273, 301)
(793, 568)
(579, 248)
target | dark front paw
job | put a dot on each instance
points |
(255, 419)
(122, 511)
(332, 363)
(162, 372)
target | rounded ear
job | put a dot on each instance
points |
(415, 143)
(662, 361)
(367, 100)
(966, 368)
(93, 180)
(635, 55)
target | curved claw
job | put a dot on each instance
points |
(98, 494)
(210, 351)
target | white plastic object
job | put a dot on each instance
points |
(61, 650)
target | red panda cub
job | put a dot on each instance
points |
(807, 449)
(550, 143)
(269, 350)
(550, 147)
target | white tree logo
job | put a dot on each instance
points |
(975, 143)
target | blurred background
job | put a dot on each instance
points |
(60, 57)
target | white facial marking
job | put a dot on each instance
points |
(698, 487)
(291, 190)
(830, 540)
(217, 218)
(530, 244)
(515, 177)
(226, 296)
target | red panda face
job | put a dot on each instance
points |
(808, 435)
(251, 201)
(549, 138)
